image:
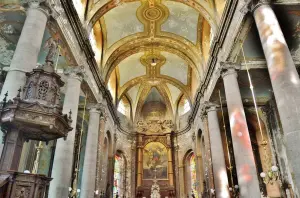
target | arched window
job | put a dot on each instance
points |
(119, 176)
(193, 175)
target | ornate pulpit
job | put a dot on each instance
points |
(34, 114)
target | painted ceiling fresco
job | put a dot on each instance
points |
(153, 45)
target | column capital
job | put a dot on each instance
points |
(41, 5)
(207, 107)
(210, 106)
(75, 72)
(99, 107)
(228, 69)
(257, 3)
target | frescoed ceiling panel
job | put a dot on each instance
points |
(133, 92)
(175, 92)
(121, 22)
(153, 44)
(131, 68)
(175, 67)
(182, 20)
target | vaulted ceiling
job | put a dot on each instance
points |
(147, 48)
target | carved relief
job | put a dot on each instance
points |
(22, 192)
(154, 126)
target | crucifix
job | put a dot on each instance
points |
(37, 159)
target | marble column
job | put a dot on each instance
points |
(90, 157)
(217, 153)
(26, 53)
(243, 154)
(63, 159)
(285, 82)
(27, 50)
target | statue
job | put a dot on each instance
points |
(155, 188)
(141, 126)
(52, 46)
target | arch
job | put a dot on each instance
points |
(202, 7)
(190, 174)
(143, 44)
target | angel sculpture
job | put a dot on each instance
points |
(52, 46)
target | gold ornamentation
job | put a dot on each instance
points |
(154, 126)
(152, 14)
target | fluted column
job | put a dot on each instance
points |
(243, 153)
(27, 50)
(285, 82)
(217, 153)
(90, 157)
(63, 159)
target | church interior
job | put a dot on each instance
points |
(150, 98)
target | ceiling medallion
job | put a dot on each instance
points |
(152, 13)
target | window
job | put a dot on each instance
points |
(186, 106)
(193, 175)
(95, 48)
(118, 176)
